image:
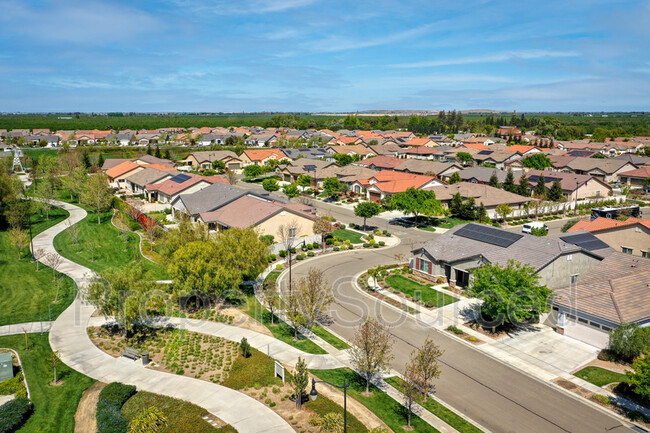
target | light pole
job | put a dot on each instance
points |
(313, 394)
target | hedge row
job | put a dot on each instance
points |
(14, 413)
(111, 399)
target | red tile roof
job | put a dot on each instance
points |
(396, 181)
(262, 154)
(121, 169)
(519, 148)
(639, 172)
(171, 188)
(418, 142)
(601, 223)
(381, 162)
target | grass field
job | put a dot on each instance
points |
(182, 416)
(381, 404)
(27, 294)
(419, 291)
(440, 411)
(350, 235)
(600, 376)
(448, 222)
(255, 371)
(110, 251)
(54, 406)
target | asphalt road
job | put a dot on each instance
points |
(490, 392)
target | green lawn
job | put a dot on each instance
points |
(54, 406)
(255, 371)
(381, 404)
(427, 228)
(330, 338)
(419, 291)
(27, 294)
(182, 416)
(280, 330)
(448, 222)
(350, 235)
(448, 416)
(600, 376)
(110, 251)
(272, 276)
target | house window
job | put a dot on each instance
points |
(627, 250)
(574, 279)
(292, 232)
(581, 320)
(426, 266)
(645, 254)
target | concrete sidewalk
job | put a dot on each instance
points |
(30, 327)
(68, 335)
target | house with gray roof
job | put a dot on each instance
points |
(136, 182)
(556, 258)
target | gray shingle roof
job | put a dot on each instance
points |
(214, 197)
(149, 175)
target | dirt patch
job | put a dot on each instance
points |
(85, 418)
(608, 365)
(245, 321)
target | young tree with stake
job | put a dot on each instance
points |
(371, 349)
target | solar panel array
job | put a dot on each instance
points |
(489, 235)
(485, 152)
(310, 167)
(534, 178)
(585, 241)
(180, 178)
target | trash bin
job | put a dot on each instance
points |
(145, 358)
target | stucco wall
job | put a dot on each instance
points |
(305, 226)
(635, 237)
(558, 273)
(591, 189)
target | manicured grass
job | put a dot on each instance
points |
(427, 228)
(350, 235)
(330, 338)
(54, 406)
(280, 330)
(110, 251)
(600, 376)
(272, 276)
(448, 222)
(181, 416)
(419, 291)
(323, 405)
(255, 371)
(27, 295)
(448, 416)
(381, 404)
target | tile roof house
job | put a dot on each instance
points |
(168, 190)
(261, 140)
(604, 169)
(423, 152)
(482, 193)
(136, 182)
(417, 142)
(261, 156)
(380, 162)
(523, 150)
(631, 236)
(574, 186)
(150, 159)
(389, 148)
(354, 149)
(117, 174)
(454, 254)
(498, 158)
(441, 170)
(304, 166)
(637, 160)
(483, 174)
(608, 295)
(385, 183)
(636, 178)
(204, 159)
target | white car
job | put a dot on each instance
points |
(528, 227)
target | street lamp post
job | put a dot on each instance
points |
(313, 394)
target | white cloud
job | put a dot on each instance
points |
(492, 58)
(340, 43)
(241, 7)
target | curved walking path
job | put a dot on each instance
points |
(68, 335)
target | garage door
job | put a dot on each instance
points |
(375, 196)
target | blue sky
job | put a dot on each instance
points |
(316, 55)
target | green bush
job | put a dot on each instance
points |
(15, 385)
(300, 257)
(111, 399)
(337, 249)
(454, 329)
(382, 243)
(342, 226)
(635, 415)
(14, 413)
(601, 399)
(279, 266)
(329, 241)
(267, 239)
(366, 245)
(310, 253)
(117, 392)
(282, 253)
(272, 257)
(315, 245)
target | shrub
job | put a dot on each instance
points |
(272, 257)
(337, 249)
(315, 245)
(635, 415)
(375, 245)
(472, 338)
(372, 241)
(300, 257)
(267, 239)
(117, 393)
(245, 348)
(382, 243)
(601, 399)
(111, 400)
(329, 241)
(283, 253)
(454, 329)
(15, 385)
(342, 226)
(14, 413)
(371, 236)
(279, 266)
(377, 233)
(310, 253)
(347, 242)
(366, 245)
(429, 304)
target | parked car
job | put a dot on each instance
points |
(528, 227)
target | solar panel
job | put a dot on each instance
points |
(585, 241)
(180, 178)
(485, 152)
(310, 167)
(489, 235)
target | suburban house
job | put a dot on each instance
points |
(604, 169)
(309, 152)
(204, 159)
(261, 156)
(604, 297)
(261, 140)
(497, 158)
(483, 174)
(559, 260)
(635, 178)
(574, 186)
(380, 162)
(387, 148)
(117, 174)
(121, 139)
(637, 160)
(424, 153)
(489, 196)
(631, 236)
(384, 184)
(150, 159)
(417, 142)
(357, 149)
(441, 170)
(48, 140)
(304, 166)
(137, 182)
(168, 190)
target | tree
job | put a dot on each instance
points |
(455, 205)
(538, 231)
(416, 202)
(628, 341)
(510, 294)
(92, 245)
(410, 389)
(465, 158)
(324, 228)
(299, 381)
(304, 180)
(253, 170)
(455, 178)
(331, 422)
(494, 180)
(75, 181)
(97, 195)
(524, 186)
(509, 182)
(19, 239)
(54, 359)
(291, 190)
(540, 189)
(367, 209)
(538, 161)
(294, 313)
(46, 194)
(481, 213)
(567, 225)
(332, 187)
(54, 261)
(219, 165)
(424, 362)
(270, 297)
(245, 348)
(231, 176)
(640, 378)
(371, 349)
(270, 185)
(314, 296)
(343, 159)
(150, 420)
(157, 153)
(503, 210)
(555, 193)
(73, 231)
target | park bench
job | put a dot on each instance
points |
(131, 353)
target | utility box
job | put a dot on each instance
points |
(6, 366)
